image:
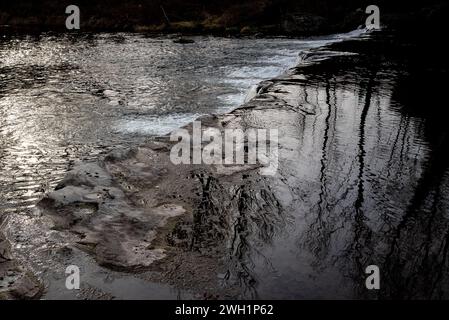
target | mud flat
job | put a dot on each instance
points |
(16, 282)
(193, 227)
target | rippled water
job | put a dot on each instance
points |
(363, 181)
(66, 98)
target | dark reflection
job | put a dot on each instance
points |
(389, 206)
(417, 257)
(237, 221)
(366, 183)
(258, 218)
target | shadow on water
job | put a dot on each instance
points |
(241, 219)
(389, 207)
(417, 259)
(369, 185)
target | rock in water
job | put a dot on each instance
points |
(183, 41)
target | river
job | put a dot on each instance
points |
(363, 180)
(66, 98)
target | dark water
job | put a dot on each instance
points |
(366, 182)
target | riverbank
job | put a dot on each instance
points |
(223, 18)
(189, 17)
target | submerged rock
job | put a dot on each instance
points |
(108, 222)
(184, 41)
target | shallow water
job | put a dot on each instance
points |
(65, 98)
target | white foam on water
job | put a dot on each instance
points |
(275, 58)
(153, 125)
(277, 62)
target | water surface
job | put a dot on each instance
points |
(66, 98)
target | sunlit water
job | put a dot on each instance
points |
(68, 98)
